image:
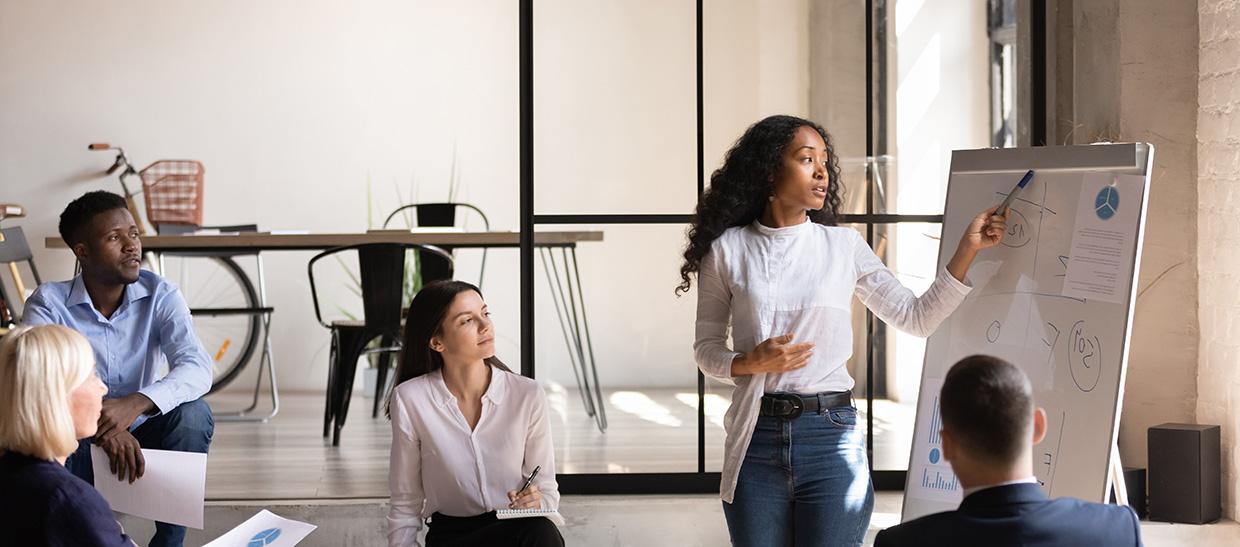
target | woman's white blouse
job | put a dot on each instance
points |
(768, 282)
(439, 465)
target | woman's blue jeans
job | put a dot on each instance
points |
(804, 482)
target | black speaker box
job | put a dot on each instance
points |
(1184, 478)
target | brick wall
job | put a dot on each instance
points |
(1218, 243)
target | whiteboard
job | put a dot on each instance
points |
(1061, 318)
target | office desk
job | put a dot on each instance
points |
(564, 284)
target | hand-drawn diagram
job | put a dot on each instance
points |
(992, 332)
(1019, 232)
(1084, 357)
(1050, 341)
(1063, 259)
(1046, 465)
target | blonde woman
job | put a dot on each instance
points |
(49, 398)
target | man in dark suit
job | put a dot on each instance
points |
(990, 425)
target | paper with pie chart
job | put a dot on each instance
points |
(1102, 239)
(264, 529)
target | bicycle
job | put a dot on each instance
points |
(220, 295)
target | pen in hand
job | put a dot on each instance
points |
(528, 481)
(1002, 210)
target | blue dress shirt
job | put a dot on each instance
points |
(151, 328)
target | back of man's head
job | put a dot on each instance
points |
(987, 408)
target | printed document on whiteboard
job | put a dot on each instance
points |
(1104, 237)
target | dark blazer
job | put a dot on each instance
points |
(1019, 514)
(42, 503)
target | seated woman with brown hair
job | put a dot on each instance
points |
(49, 398)
(467, 433)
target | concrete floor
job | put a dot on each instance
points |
(597, 521)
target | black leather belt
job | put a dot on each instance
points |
(791, 405)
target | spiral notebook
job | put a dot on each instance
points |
(551, 514)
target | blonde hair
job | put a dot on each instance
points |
(39, 367)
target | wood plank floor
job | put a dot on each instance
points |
(650, 430)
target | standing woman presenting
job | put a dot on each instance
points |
(771, 263)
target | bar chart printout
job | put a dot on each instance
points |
(931, 475)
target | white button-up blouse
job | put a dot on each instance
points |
(767, 282)
(439, 464)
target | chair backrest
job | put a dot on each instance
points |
(441, 214)
(13, 249)
(436, 214)
(381, 275)
(13, 245)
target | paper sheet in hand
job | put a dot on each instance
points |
(265, 529)
(171, 490)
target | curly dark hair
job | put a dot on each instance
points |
(78, 214)
(739, 190)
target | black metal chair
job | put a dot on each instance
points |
(14, 249)
(441, 215)
(381, 275)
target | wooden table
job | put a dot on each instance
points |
(264, 241)
(565, 285)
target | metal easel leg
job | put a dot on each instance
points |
(1116, 478)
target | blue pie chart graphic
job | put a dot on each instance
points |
(264, 538)
(934, 455)
(1107, 202)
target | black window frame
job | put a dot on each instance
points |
(702, 481)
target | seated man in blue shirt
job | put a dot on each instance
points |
(136, 323)
(989, 428)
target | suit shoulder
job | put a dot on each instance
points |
(1105, 521)
(916, 531)
(1094, 510)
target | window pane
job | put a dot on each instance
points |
(938, 100)
(912, 252)
(642, 338)
(615, 107)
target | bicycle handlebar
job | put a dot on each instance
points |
(11, 210)
(99, 146)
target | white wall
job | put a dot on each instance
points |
(292, 106)
(296, 107)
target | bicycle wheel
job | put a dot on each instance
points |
(217, 291)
